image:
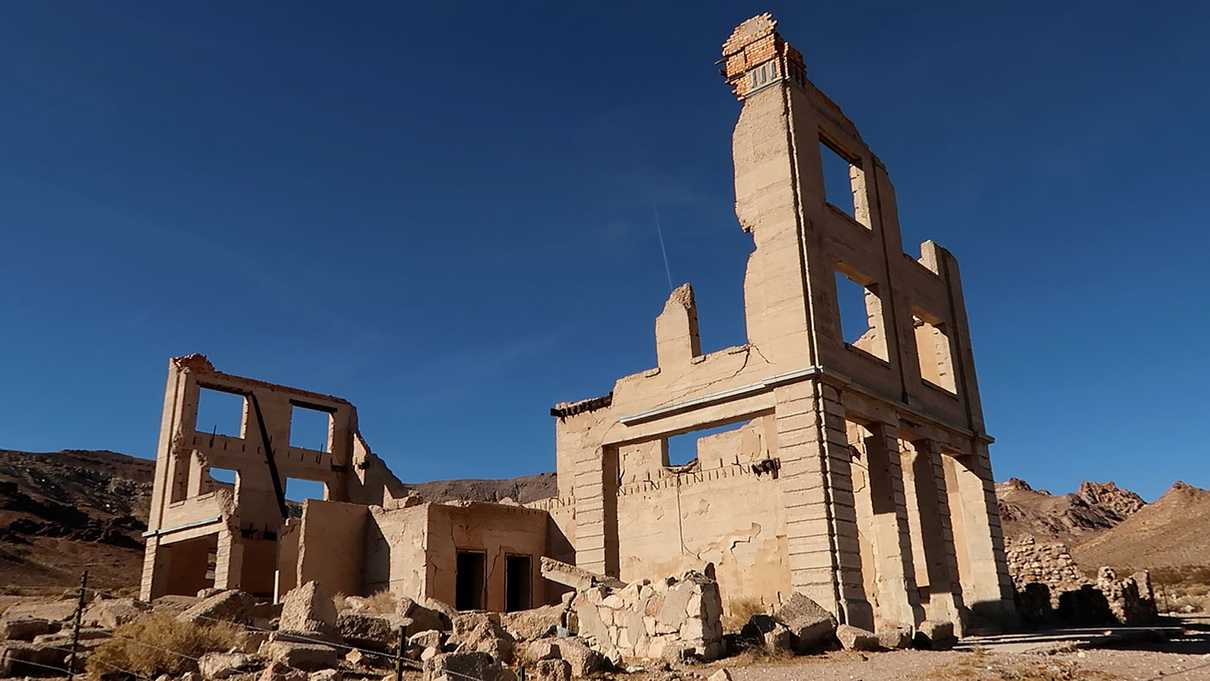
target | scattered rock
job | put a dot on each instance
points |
(721, 675)
(277, 671)
(426, 639)
(308, 608)
(57, 611)
(326, 675)
(432, 614)
(481, 632)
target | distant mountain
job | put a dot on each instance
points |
(1069, 518)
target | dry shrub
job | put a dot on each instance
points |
(381, 602)
(1182, 589)
(158, 644)
(739, 611)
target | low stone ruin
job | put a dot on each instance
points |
(1051, 589)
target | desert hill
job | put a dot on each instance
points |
(1172, 531)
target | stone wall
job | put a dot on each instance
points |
(1048, 563)
(668, 618)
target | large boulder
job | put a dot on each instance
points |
(856, 638)
(308, 608)
(227, 606)
(468, 665)
(367, 631)
(225, 665)
(299, 655)
(812, 625)
(57, 611)
(112, 613)
(935, 635)
(25, 629)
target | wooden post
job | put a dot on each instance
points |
(75, 628)
(399, 654)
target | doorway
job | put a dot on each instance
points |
(469, 571)
(518, 579)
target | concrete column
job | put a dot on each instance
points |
(987, 589)
(596, 489)
(898, 598)
(228, 561)
(817, 491)
(924, 472)
(149, 586)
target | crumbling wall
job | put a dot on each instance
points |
(728, 516)
(331, 546)
(1050, 587)
(396, 555)
(666, 618)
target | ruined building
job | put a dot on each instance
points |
(851, 467)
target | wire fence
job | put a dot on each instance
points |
(77, 654)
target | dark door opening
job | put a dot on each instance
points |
(517, 580)
(468, 593)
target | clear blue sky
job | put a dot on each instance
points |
(445, 212)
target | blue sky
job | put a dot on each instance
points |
(446, 213)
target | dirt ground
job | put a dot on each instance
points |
(1182, 658)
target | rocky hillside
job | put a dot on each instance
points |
(61, 512)
(1069, 518)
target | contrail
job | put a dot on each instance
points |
(664, 251)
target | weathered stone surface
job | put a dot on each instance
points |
(305, 656)
(26, 629)
(550, 670)
(367, 631)
(308, 608)
(326, 675)
(529, 625)
(225, 665)
(812, 625)
(721, 675)
(14, 653)
(113, 613)
(543, 649)
(855, 638)
(229, 606)
(464, 665)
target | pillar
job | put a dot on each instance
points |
(596, 510)
(898, 598)
(817, 492)
(228, 561)
(923, 470)
(987, 589)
